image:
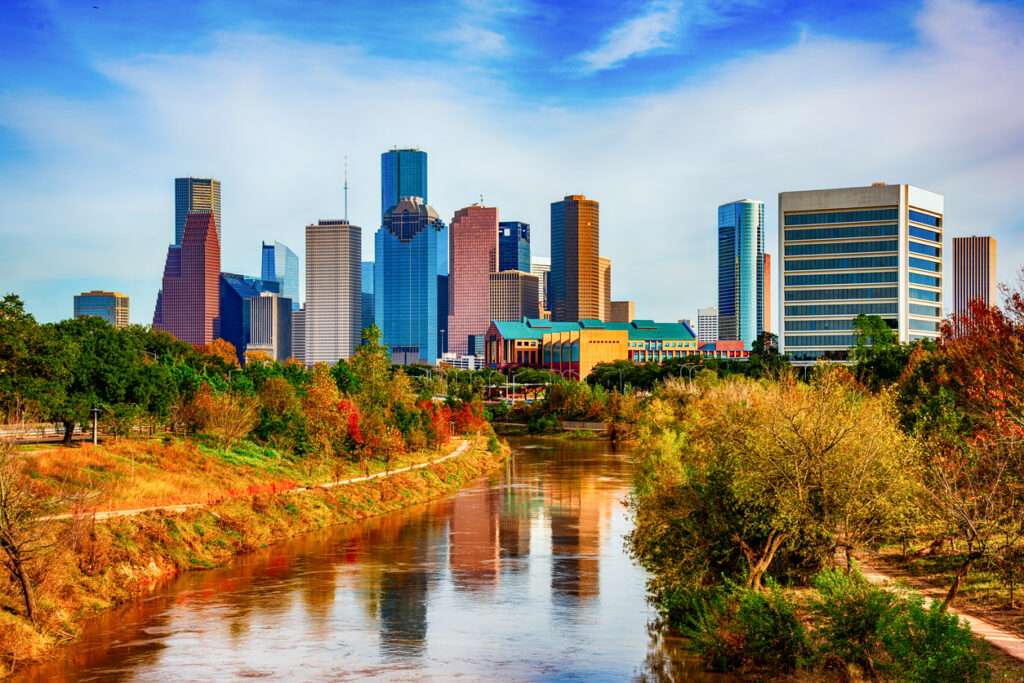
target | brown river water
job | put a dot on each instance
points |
(522, 576)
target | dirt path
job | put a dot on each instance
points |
(112, 514)
(1006, 641)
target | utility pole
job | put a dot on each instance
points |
(95, 418)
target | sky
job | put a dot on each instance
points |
(660, 109)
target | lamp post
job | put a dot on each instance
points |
(95, 421)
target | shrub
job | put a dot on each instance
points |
(849, 615)
(773, 634)
(929, 645)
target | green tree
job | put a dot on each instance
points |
(879, 358)
(371, 367)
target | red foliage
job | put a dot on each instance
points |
(438, 422)
(469, 417)
(350, 413)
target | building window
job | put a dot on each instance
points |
(928, 280)
(840, 248)
(925, 219)
(920, 309)
(924, 325)
(842, 217)
(842, 278)
(926, 249)
(890, 230)
(925, 265)
(925, 295)
(925, 234)
(843, 263)
(826, 294)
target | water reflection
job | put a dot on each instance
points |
(520, 577)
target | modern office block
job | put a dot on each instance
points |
(974, 273)
(188, 305)
(766, 316)
(604, 285)
(741, 270)
(299, 335)
(110, 306)
(514, 246)
(875, 250)
(513, 295)
(472, 257)
(236, 291)
(270, 326)
(403, 173)
(367, 293)
(541, 267)
(622, 311)
(333, 315)
(575, 292)
(281, 264)
(195, 194)
(411, 254)
(707, 325)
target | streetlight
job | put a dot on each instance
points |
(95, 420)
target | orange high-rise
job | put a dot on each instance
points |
(575, 273)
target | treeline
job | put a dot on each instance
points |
(141, 379)
(746, 486)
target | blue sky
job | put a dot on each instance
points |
(659, 109)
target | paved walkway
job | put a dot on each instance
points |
(1006, 641)
(111, 514)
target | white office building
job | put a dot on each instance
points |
(707, 325)
(333, 314)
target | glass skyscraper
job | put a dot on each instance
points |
(741, 271)
(403, 173)
(281, 264)
(514, 246)
(195, 194)
(411, 257)
(367, 293)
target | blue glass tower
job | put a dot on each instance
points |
(235, 292)
(741, 270)
(403, 173)
(514, 246)
(367, 293)
(411, 251)
(282, 265)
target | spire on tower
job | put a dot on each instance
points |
(346, 187)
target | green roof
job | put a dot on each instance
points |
(638, 330)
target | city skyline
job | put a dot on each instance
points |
(123, 110)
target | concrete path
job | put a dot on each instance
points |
(1004, 640)
(111, 514)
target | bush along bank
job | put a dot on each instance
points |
(97, 564)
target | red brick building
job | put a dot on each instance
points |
(473, 254)
(188, 305)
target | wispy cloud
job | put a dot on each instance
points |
(476, 41)
(653, 29)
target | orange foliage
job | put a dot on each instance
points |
(223, 349)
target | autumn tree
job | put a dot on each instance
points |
(325, 425)
(225, 416)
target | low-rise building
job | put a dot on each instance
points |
(110, 306)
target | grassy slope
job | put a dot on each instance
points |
(100, 564)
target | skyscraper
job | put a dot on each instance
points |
(575, 235)
(403, 173)
(333, 315)
(236, 291)
(514, 246)
(111, 306)
(974, 272)
(188, 305)
(270, 326)
(367, 293)
(513, 295)
(195, 194)
(766, 316)
(604, 280)
(299, 335)
(541, 267)
(472, 257)
(281, 264)
(875, 250)
(411, 251)
(707, 325)
(622, 312)
(741, 270)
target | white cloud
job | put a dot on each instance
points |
(651, 30)
(274, 119)
(474, 41)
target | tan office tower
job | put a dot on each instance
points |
(333, 290)
(575, 236)
(110, 306)
(604, 285)
(541, 267)
(622, 312)
(195, 194)
(270, 326)
(974, 272)
(514, 295)
(767, 293)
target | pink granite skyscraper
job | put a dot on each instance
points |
(472, 254)
(188, 306)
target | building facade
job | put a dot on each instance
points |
(707, 325)
(575, 292)
(541, 267)
(195, 194)
(766, 315)
(110, 306)
(974, 273)
(367, 294)
(741, 270)
(513, 296)
(472, 257)
(333, 315)
(411, 260)
(236, 291)
(188, 305)
(622, 311)
(270, 326)
(280, 263)
(874, 250)
(299, 335)
(403, 173)
(514, 246)
(604, 285)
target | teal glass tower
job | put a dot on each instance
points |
(403, 173)
(279, 263)
(741, 271)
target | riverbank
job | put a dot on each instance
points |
(244, 500)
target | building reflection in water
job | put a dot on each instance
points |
(473, 540)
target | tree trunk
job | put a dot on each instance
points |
(69, 431)
(961, 572)
(758, 563)
(27, 594)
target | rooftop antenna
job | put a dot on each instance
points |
(346, 187)
(481, 199)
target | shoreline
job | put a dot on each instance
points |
(128, 556)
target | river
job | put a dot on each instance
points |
(522, 576)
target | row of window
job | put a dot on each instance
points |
(929, 280)
(842, 278)
(844, 325)
(921, 309)
(822, 340)
(840, 248)
(844, 263)
(843, 309)
(857, 293)
(925, 295)
(925, 219)
(926, 249)
(924, 325)
(925, 234)
(842, 217)
(890, 230)
(925, 265)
